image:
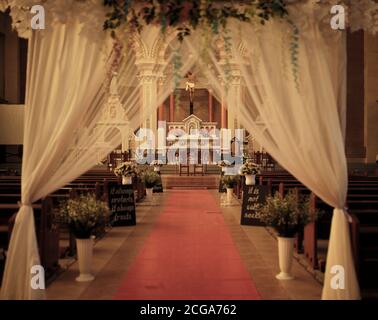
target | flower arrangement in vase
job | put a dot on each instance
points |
(223, 164)
(127, 170)
(287, 215)
(150, 179)
(85, 215)
(157, 164)
(249, 169)
(230, 181)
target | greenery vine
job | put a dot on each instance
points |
(294, 52)
(177, 77)
(185, 16)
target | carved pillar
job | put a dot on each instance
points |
(235, 100)
(149, 87)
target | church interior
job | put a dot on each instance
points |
(184, 223)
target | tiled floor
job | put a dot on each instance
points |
(116, 252)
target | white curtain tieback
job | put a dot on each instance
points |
(21, 204)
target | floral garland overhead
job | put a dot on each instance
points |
(180, 14)
(185, 16)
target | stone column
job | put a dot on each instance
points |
(235, 93)
(149, 95)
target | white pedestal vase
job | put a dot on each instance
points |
(84, 254)
(127, 180)
(149, 194)
(230, 192)
(250, 179)
(285, 253)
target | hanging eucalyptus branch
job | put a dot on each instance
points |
(294, 53)
(177, 65)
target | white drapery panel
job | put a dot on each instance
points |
(300, 123)
(66, 101)
(66, 90)
(303, 128)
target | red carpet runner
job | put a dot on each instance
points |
(188, 255)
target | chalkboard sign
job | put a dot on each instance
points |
(252, 195)
(158, 188)
(121, 204)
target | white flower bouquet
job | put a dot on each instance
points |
(224, 164)
(126, 169)
(249, 168)
(84, 215)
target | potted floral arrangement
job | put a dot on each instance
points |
(84, 216)
(249, 170)
(150, 179)
(286, 215)
(157, 165)
(224, 164)
(230, 181)
(127, 170)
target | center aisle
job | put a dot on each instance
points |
(189, 254)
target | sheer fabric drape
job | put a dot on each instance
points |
(300, 122)
(66, 89)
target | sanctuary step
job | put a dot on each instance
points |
(190, 182)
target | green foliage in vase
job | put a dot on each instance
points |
(127, 169)
(150, 179)
(287, 214)
(230, 181)
(249, 168)
(84, 215)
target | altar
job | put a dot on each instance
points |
(195, 141)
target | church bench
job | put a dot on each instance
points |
(362, 204)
